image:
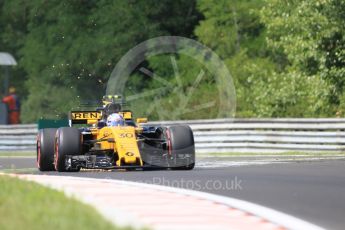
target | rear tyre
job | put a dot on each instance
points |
(45, 149)
(181, 149)
(68, 141)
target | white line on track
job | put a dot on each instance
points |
(222, 164)
(160, 207)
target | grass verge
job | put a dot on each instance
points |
(17, 154)
(27, 205)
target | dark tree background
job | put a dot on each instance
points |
(287, 59)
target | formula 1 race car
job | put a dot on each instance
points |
(96, 145)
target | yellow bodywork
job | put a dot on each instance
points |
(122, 140)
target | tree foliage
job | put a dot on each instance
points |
(70, 47)
(310, 36)
(287, 58)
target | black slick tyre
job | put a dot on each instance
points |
(68, 141)
(45, 149)
(180, 146)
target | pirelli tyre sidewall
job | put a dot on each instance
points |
(45, 149)
(68, 141)
(180, 146)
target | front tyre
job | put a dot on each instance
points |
(68, 141)
(180, 146)
(45, 149)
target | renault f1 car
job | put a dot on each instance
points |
(94, 145)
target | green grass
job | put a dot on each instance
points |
(17, 154)
(27, 205)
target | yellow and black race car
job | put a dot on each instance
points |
(98, 145)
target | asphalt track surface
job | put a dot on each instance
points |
(311, 190)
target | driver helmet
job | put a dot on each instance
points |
(115, 119)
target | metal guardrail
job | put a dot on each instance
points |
(18, 137)
(229, 135)
(267, 135)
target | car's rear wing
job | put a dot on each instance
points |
(92, 117)
(84, 117)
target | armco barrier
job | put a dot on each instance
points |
(267, 135)
(18, 137)
(229, 135)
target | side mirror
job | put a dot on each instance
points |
(141, 120)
